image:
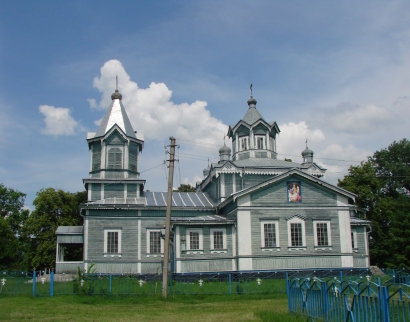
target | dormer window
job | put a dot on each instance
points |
(259, 142)
(243, 144)
(115, 158)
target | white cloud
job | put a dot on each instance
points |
(292, 138)
(92, 102)
(152, 112)
(58, 121)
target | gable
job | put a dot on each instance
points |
(260, 129)
(115, 138)
(278, 194)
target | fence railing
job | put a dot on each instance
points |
(378, 299)
(242, 282)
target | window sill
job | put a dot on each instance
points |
(270, 249)
(355, 250)
(194, 252)
(112, 255)
(155, 255)
(296, 248)
(323, 247)
(219, 251)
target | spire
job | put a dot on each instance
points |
(116, 115)
(252, 115)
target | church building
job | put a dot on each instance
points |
(251, 211)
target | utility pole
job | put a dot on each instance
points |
(168, 219)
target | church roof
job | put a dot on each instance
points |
(116, 115)
(252, 115)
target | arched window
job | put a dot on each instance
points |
(115, 158)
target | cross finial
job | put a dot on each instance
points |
(224, 138)
(116, 82)
(251, 89)
(306, 142)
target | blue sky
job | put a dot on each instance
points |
(336, 73)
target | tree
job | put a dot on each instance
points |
(53, 208)
(186, 188)
(383, 187)
(12, 218)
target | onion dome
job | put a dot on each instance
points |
(307, 155)
(252, 102)
(206, 171)
(224, 153)
(116, 95)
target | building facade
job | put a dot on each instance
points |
(251, 211)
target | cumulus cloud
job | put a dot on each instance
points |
(360, 119)
(152, 111)
(292, 138)
(58, 121)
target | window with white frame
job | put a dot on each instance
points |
(354, 240)
(194, 239)
(155, 242)
(115, 159)
(269, 234)
(296, 232)
(243, 144)
(322, 233)
(112, 241)
(260, 142)
(218, 239)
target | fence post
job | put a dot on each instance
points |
(51, 284)
(341, 280)
(110, 284)
(34, 283)
(170, 284)
(230, 283)
(287, 283)
(384, 303)
(325, 300)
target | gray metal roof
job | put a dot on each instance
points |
(266, 162)
(252, 115)
(67, 230)
(116, 115)
(211, 219)
(159, 199)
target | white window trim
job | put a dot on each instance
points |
(355, 249)
(247, 143)
(263, 247)
(106, 231)
(224, 242)
(329, 235)
(188, 241)
(148, 244)
(297, 221)
(263, 137)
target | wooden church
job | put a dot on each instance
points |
(251, 211)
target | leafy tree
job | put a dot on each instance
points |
(186, 188)
(12, 218)
(383, 187)
(53, 208)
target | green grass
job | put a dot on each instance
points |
(256, 307)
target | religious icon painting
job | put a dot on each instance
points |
(294, 189)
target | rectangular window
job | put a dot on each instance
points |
(296, 234)
(218, 239)
(115, 158)
(354, 240)
(155, 242)
(260, 142)
(269, 232)
(194, 239)
(321, 234)
(112, 241)
(243, 144)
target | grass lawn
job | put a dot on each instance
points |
(261, 307)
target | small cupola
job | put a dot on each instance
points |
(307, 155)
(224, 153)
(116, 95)
(206, 171)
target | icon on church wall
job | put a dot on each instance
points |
(294, 191)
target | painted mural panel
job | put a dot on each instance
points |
(294, 189)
